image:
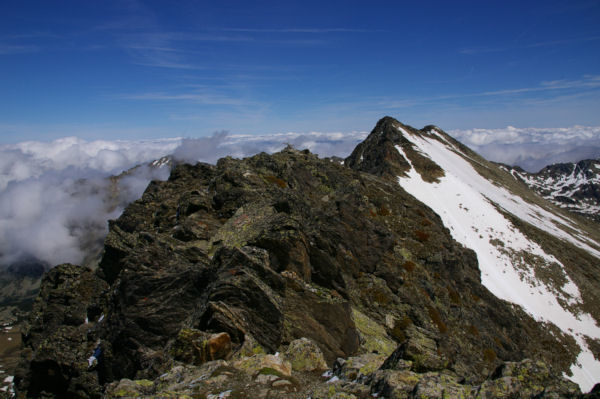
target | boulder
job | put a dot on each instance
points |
(305, 355)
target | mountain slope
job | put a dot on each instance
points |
(571, 186)
(268, 250)
(524, 246)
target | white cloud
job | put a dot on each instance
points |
(55, 200)
(31, 159)
(533, 148)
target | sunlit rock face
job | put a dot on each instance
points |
(370, 276)
(529, 252)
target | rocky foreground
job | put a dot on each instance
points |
(283, 275)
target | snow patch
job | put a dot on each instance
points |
(467, 204)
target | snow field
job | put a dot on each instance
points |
(463, 199)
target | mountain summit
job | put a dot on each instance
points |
(529, 252)
(414, 270)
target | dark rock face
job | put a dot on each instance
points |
(59, 340)
(270, 249)
(378, 155)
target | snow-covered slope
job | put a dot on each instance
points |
(572, 186)
(490, 216)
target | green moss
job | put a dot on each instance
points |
(144, 383)
(124, 393)
(405, 253)
(374, 336)
(331, 390)
(369, 368)
(270, 371)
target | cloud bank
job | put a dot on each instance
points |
(533, 148)
(56, 198)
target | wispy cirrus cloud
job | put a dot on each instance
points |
(520, 46)
(9, 49)
(179, 50)
(198, 98)
(25, 42)
(585, 84)
(298, 30)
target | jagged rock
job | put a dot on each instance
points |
(127, 388)
(305, 355)
(265, 364)
(61, 338)
(440, 386)
(340, 390)
(270, 249)
(197, 347)
(420, 349)
(373, 336)
(357, 367)
(526, 379)
(394, 384)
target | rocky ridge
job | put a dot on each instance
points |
(571, 186)
(252, 277)
(20, 280)
(530, 252)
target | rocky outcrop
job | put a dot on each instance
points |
(271, 376)
(266, 251)
(61, 344)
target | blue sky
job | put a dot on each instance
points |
(145, 69)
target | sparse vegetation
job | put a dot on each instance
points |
(453, 295)
(409, 266)
(437, 319)
(473, 330)
(421, 235)
(489, 355)
(276, 180)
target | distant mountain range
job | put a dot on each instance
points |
(571, 186)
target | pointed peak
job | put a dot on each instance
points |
(378, 153)
(390, 128)
(388, 123)
(385, 122)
